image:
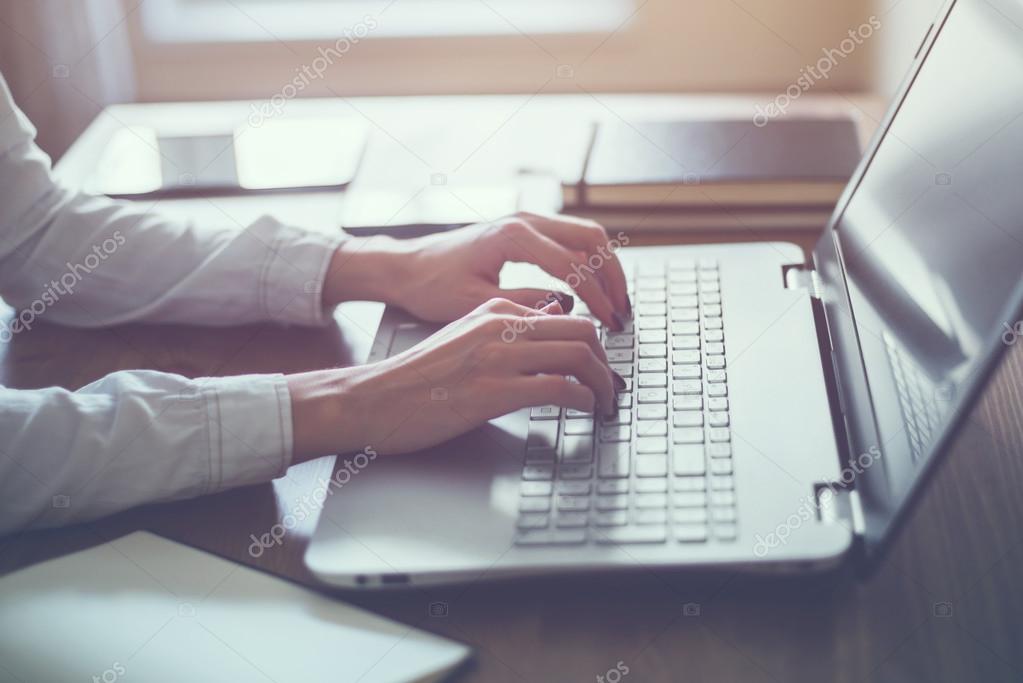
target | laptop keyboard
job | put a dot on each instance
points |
(917, 394)
(660, 469)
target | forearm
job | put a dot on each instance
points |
(133, 438)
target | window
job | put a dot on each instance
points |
(215, 21)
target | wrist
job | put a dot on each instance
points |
(324, 414)
(367, 269)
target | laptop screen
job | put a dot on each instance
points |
(932, 239)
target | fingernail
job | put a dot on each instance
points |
(617, 320)
(567, 301)
(619, 381)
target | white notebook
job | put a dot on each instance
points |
(143, 608)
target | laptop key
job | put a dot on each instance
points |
(651, 485)
(573, 488)
(653, 337)
(652, 396)
(623, 369)
(536, 488)
(573, 503)
(578, 427)
(652, 436)
(688, 435)
(613, 486)
(687, 372)
(613, 461)
(690, 515)
(686, 357)
(717, 418)
(614, 501)
(650, 516)
(719, 434)
(619, 355)
(575, 471)
(652, 428)
(687, 402)
(719, 450)
(615, 433)
(652, 411)
(652, 365)
(692, 483)
(538, 472)
(687, 386)
(649, 380)
(533, 520)
(722, 498)
(651, 500)
(534, 504)
(651, 465)
(721, 466)
(544, 412)
(653, 350)
(577, 449)
(619, 341)
(621, 417)
(541, 456)
(688, 460)
(542, 434)
(611, 518)
(685, 343)
(689, 499)
(572, 519)
(690, 533)
(687, 418)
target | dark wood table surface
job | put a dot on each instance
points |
(946, 606)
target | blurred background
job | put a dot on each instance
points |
(66, 59)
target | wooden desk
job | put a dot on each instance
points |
(964, 546)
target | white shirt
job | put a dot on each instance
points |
(139, 436)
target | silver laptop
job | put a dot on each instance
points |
(781, 415)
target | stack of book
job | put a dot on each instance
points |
(713, 175)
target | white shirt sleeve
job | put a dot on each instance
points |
(137, 437)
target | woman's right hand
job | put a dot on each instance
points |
(497, 359)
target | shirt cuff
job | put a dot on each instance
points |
(250, 429)
(292, 276)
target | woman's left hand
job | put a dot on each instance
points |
(444, 276)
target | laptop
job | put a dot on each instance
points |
(783, 414)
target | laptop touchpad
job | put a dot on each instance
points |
(408, 335)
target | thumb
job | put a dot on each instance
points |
(538, 298)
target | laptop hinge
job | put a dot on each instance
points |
(839, 503)
(800, 276)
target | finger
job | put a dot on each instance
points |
(567, 358)
(589, 236)
(567, 328)
(523, 243)
(541, 390)
(536, 299)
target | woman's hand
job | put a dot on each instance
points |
(499, 358)
(442, 277)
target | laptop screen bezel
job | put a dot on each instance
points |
(882, 520)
